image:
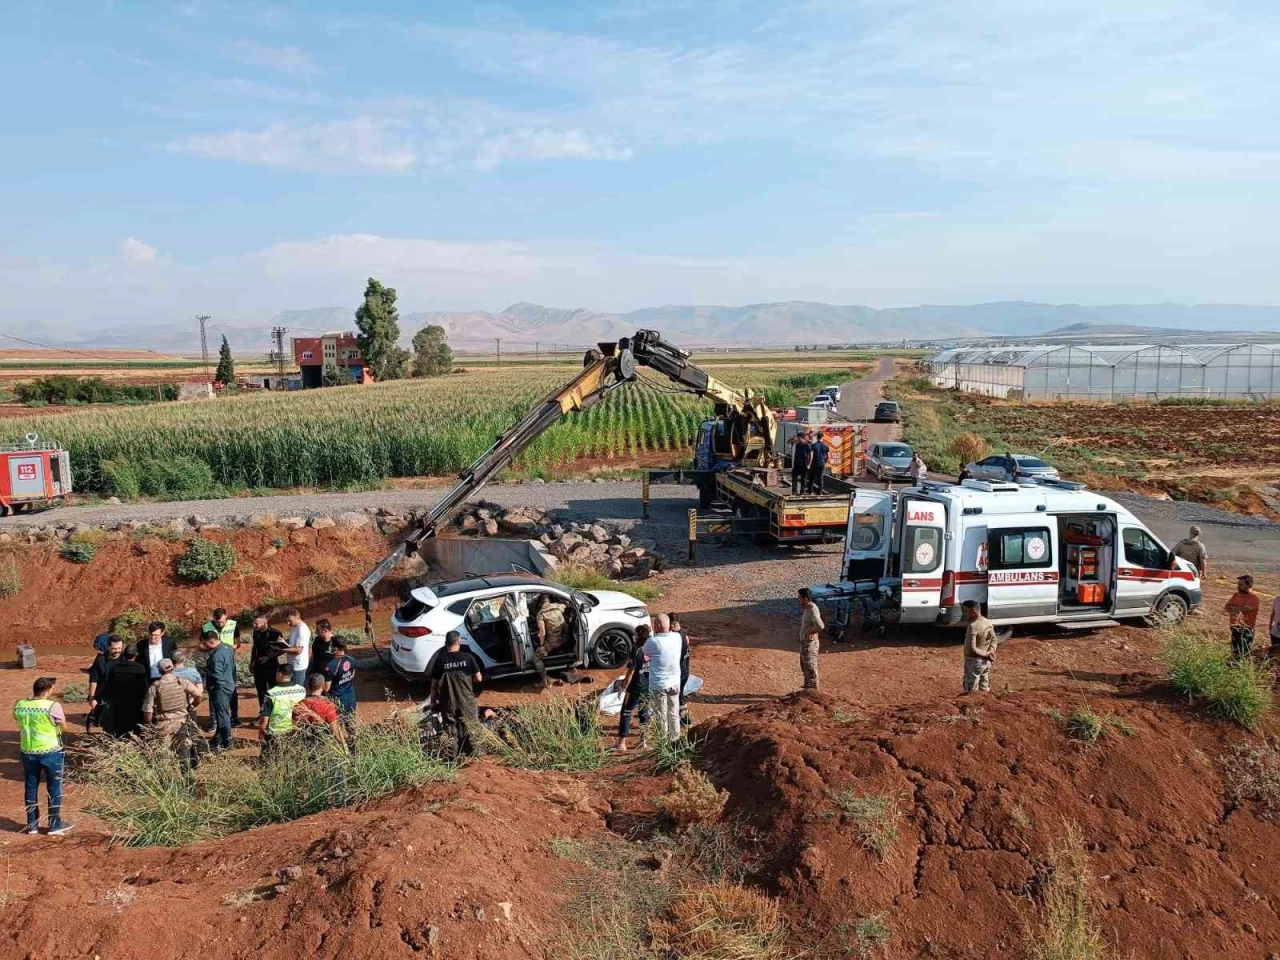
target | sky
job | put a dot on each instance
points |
(159, 160)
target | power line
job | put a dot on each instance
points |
(77, 353)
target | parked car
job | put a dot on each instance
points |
(822, 400)
(496, 616)
(888, 411)
(832, 391)
(1009, 468)
(889, 461)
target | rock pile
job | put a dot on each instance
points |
(595, 545)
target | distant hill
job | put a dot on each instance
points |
(521, 325)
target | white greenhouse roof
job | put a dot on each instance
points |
(1108, 355)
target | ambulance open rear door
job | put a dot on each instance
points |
(869, 535)
(920, 560)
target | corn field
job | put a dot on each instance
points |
(362, 435)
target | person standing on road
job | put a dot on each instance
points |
(340, 686)
(819, 452)
(220, 673)
(635, 686)
(228, 632)
(663, 649)
(918, 470)
(101, 668)
(1191, 549)
(453, 689)
(801, 454)
(299, 648)
(264, 656)
(979, 648)
(40, 721)
(1242, 612)
(811, 629)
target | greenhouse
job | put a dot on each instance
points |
(1111, 371)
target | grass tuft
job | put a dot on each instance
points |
(1087, 727)
(692, 799)
(557, 734)
(876, 817)
(1067, 930)
(77, 691)
(720, 921)
(10, 577)
(1203, 670)
(670, 755)
(577, 577)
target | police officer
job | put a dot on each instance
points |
(40, 722)
(453, 689)
(550, 623)
(167, 711)
(277, 708)
(228, 632)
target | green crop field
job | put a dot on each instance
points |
(347, 436)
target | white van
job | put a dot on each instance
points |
(1050, 551)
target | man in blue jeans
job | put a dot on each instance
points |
(220, 685)
(40, 722)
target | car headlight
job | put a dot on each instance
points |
(636, 612)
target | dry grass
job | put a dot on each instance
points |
(720, 921)
(692, 799)
(969, 447)
(325, 574)
(876, 818)
(1067, 930)
(1252, 774)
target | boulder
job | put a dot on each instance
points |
(598, 533)
(293, 523)
(621, 540)
(519, 525)
(633, 553)
(196, 520)
(263, 521)
(556, 531)
(613, 568)
(468, 524)
(321, 522)
(176, 526)
(114, 501)
(490, 527)
(615, 551)
(352, 520)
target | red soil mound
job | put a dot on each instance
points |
(462, 871)
(985, 787)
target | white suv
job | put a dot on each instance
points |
(495, 615)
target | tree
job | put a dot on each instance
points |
(379, 325)
(431, 353)
(226, 372)
(333, 377)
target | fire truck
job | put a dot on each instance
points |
(32, 473)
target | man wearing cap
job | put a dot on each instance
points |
(167, 711)
(453, 689)
(1191, 549)
(979, 648)
(40, 721)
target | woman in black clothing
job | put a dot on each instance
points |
(635, 686)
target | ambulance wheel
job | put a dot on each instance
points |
(1169, 611)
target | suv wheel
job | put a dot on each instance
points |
(611, 649)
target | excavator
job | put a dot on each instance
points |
(740, 444)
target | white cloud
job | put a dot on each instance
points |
(341, 146)
(289, 60)
(133, 250)
(547, 145)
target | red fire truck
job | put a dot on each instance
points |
(32, 473)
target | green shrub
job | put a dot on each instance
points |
(78, 552)
(1203, 670)
(557, 734)
(205, 561)
(131, 624)
(123, 478)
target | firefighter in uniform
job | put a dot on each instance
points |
(167, 711)
(551, 624)
(277, 708)
(453, 690)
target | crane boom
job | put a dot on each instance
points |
(751, 433)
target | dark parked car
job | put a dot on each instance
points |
(1009, 468)
(888, 411)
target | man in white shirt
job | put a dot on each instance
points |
(299, 648)
(919, 472)
(663, 650)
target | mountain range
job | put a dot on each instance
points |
(522, 325)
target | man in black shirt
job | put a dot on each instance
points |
(264, 656)
(635, 687)
(102, 666)
(818, 454)
(800, 456)
(122, 693)
(453, 688)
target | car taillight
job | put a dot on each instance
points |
(948, 588)
(414, 631)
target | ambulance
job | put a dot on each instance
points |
(1044, 551)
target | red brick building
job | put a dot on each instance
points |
(340, 350)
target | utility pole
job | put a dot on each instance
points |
(498, 341)
(277, 334)
(535, 351)
(204, 344)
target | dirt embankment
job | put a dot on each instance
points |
(983, 788)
